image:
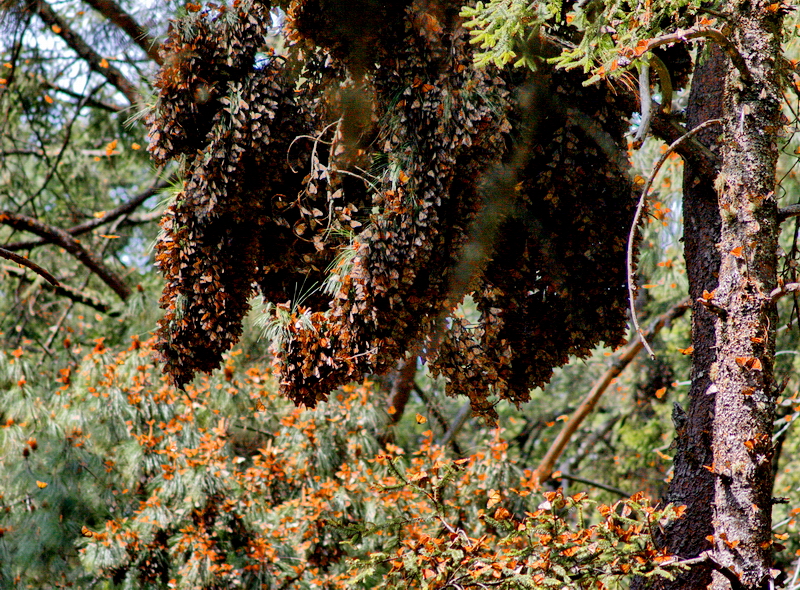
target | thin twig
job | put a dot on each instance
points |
(317, 140)
(635, 225)
(595, 484)
(84, 100)
(31, 265)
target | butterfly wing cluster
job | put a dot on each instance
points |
(361, 166)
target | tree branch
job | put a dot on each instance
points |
(458, 422)
(635, 225)
(595, 484)
(782, 290)
(87, 101)
(402, 384)
(707, 558)
(789, 211)
(31, 265)
(545, 468)
(90, 56)
(114, 13)
(86, 226)
(716, 36)
(59, 236)
(61, 289)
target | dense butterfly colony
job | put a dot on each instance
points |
(351, 183)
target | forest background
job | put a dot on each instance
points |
(114, 477)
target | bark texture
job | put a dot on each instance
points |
(741, 378)
(693, 485)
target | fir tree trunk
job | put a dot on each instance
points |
(741, 379)
(723, 458)
(693, 485)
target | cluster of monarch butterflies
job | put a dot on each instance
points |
(376, 161)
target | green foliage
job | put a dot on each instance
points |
(601, 37)
(501, 28)
(227, 483)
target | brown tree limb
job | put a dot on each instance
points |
(58, 236)
(714, 35)
(96, 62)
(114, 13)
(788, 212)
(29, 264)
(547, 464)
(62, 290)
(782, 290)
(708, 558)
(458, 422)
(107, 217)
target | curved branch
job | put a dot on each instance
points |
(86, 226)
(58, 236)
(31, 265)
(114, 13)
(714, 35)
(782, 290)
(635, 225)
(85, 100)
(89, 55)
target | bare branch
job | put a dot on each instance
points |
(109, 216)
(59, 236)
(637, 218)
(402, 384)
(63, 290)
(90, 56)
(667, 128)
(31, 265)
(788, 212)
(708, 558)
(85, 100)
(595, 484)
(114, 13)
(461, 418)
(782, 290)
(716, 36)
(545, 468)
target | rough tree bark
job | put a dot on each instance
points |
(742, 376)
(724, 442)
(692, 485)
